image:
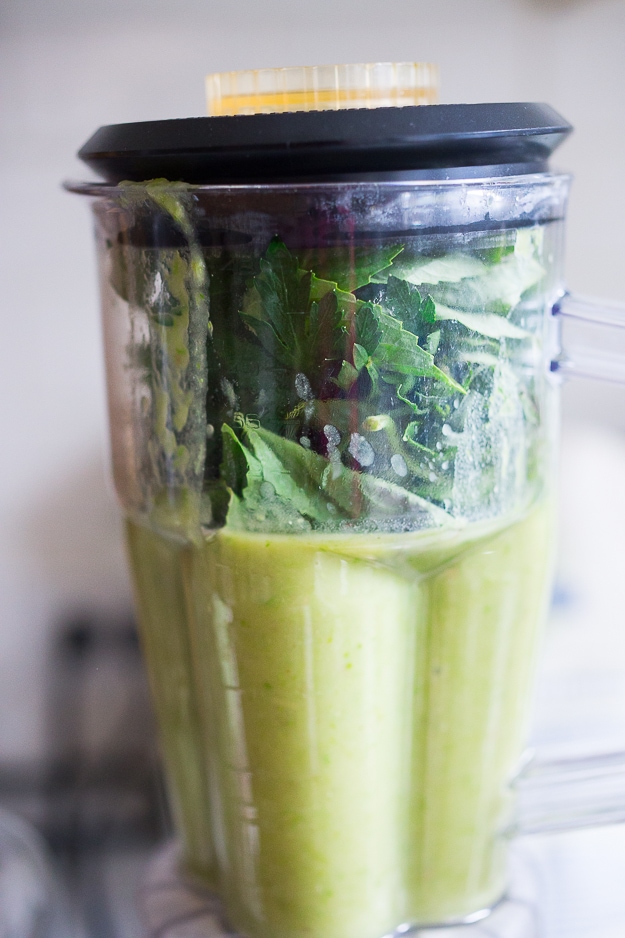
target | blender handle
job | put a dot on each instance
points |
(565, 794)
(587, 361)
(589, 791)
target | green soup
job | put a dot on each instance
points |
(345, 714)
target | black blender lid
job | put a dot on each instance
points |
(325, 144)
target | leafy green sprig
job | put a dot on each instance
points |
(335, 387)
(374, 388)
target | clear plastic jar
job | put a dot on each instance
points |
(333, 424)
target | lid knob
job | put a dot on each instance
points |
(322, 88)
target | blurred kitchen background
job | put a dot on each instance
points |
(77, 755)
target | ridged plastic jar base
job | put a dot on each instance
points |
(172, 905)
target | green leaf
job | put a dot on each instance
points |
(349, 267)
(403, 356)
(433, 341)
(347, 376)
(386, 499)
(410, 433)
(500, 288)
(402, 390)
(297, 318)
(465, 282)
(238, 467)
(267, 336)
(305, 327)
(326, 337)
(292, 471)
(279, 298)
(361, 356)
(298, 473)
(346, 301)
(402, 298)
(374, 374)
(428, 310)
(399, 354)
(450, 268)
(488, 324)
(406, 303)
(478, 357)
(495, 254)
(368, 331)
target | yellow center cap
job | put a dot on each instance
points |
(322, 88)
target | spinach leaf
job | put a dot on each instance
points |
(326, 489)
(497, 288)
(450, 268)
(488, 324)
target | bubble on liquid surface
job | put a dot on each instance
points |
(267, 490)
(157, 289)
(303, 388)
(361, 450)
(305, 442)
(399, 465)
(332, 435)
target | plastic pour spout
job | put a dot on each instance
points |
(322, 88)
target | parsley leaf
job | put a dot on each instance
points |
(296, 320)
(350, 267)
(399, 354)
(367, 329)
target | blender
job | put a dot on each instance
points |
(331, 324)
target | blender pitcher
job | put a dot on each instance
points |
(331, 354)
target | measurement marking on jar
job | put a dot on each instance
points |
(246, 421)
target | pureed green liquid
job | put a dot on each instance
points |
(359, 703)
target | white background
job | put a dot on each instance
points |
(66, 68)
